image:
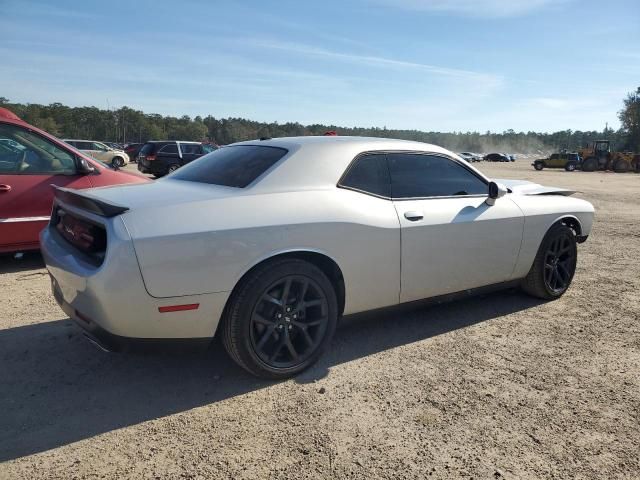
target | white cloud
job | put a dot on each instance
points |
(488, 80)
(474, 8)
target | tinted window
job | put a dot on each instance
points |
(431, 176)
(28, 153)
(171, 148)
(147, 148)
(370, 174)
(209, 148)
(190, 148)
(236, 166)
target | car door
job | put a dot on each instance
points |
(451, 240)
(190, 151)
(101, 152)
(26, 179)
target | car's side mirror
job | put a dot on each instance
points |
(496, 190)
(85, 167)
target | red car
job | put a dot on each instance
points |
(31, 162)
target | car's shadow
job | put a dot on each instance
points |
(26, 261)
(57, 388)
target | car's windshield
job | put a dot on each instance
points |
(234, 166)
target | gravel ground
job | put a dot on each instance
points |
(498, 386)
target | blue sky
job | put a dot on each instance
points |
(445, 65)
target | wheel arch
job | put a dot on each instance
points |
(573, 223)
(320, 259)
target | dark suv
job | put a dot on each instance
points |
(160, 158)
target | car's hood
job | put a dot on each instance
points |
(524, 187)
(159, 193)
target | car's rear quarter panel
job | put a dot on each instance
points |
(220, 240)
(113, 294)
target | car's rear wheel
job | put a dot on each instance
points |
(620, 166)
(173, 167)
(538, 165)
(280, 318)
(554, 265)
(570, 167)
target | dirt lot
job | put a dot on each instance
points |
(490, 387)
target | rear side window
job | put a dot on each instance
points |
(415, 176)
(190, 148)
(369, 174)
(235, 166)
(171, 148)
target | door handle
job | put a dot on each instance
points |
(5, 188)
(413, 216)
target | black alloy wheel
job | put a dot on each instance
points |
(554, 265)
(559, 264)
(280, 318)
(289, 321)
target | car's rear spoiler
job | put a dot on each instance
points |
(78, 199)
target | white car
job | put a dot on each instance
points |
(273, 241)
(100, 151)
(470, 156)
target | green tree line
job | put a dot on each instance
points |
(129, 125)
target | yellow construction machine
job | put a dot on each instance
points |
(599, 156)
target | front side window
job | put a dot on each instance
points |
(235, 166)
(101, 147)
(32, 154)
(369, 174)
(208, 148)
(419, 175)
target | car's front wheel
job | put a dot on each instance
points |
(570, 166)
(590, 164)
(117, 162)
(554, 265)
(280, 318)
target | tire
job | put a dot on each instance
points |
(117, 162)
(538, 165)
(620, 166)
(554, 265)
(173, 167)
(570, 166)
(257, 325)
(590, 164)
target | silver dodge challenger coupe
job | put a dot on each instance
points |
(272, 241)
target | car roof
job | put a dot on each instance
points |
(316, 162)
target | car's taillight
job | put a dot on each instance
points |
(85, 236)
(150, 157)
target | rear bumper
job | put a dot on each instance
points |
(156, 167)
(110, 342)
(111, 303)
